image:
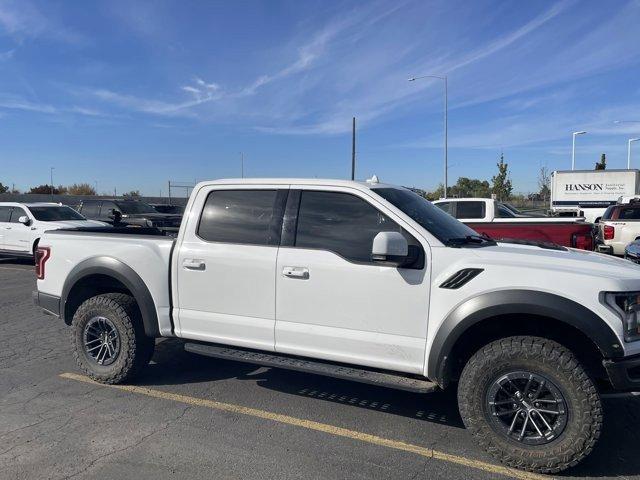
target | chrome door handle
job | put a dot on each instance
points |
(296, 272)
(194, 264)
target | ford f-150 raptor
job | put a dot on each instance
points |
(368, 282)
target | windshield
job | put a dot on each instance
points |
(440, 224)
(133, 208)
(54, 214)
(510, 207)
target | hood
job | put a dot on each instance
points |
(570, 259)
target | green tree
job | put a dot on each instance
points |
(544, 180)
(3, 189)
(602, 164)
(502, 186)
(48, 189)
(81, 189)
(470, 187)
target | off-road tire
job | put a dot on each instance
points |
(136, 349)
(558, 364)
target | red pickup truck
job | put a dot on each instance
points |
(501, 221)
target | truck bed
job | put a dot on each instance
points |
(144, 251)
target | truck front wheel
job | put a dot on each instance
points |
(109, 343)
(530, 404)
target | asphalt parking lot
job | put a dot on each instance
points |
(196, 417)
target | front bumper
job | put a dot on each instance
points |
(624, 373)
(49, 303)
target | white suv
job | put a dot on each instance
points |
(22, 224)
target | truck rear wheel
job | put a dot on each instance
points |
(530, 404)
(109, 343)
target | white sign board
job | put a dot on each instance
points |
(592, 188)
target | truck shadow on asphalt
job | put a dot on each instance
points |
(615, 454)
(175, 366)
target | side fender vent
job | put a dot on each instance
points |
(461, 277)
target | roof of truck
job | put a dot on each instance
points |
(31, 204)
(369, 183)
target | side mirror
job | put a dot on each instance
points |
(24, 220)
(390, 247)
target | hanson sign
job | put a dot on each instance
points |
(592, 187)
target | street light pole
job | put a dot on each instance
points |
(51, 169)
(446, 126)
(241, 164)
(573, 149)
(631, 140)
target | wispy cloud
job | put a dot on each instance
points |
(7, 55)
(21, 104)
(22, 20)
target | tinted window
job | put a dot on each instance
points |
(90, 209)
(341, 223)
(629, 214)
(441, 225)
(134, 208)
(52, 214)
(173, 209)
(239, 216)
(469, 209)
(503, 212)
(16, 214)
(445, 207)
(5, 214)
(608, 213)
(107, 209)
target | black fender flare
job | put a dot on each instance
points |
(111, 267)
(514, 302)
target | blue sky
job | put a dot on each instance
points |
(132, 94)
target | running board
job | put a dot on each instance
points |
(327, 369)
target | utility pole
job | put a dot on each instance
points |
(169, 182)
(241, 164)
(353, 149)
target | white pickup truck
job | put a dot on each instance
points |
(368, 282)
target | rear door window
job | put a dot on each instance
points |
(469, 209)
(241, 216)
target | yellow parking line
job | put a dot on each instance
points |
(320, 427)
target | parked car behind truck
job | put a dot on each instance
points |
(22, 225)
(368, 282)
(495, 219)
(619, 226)
(119, 212)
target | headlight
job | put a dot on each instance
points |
(627, 306)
